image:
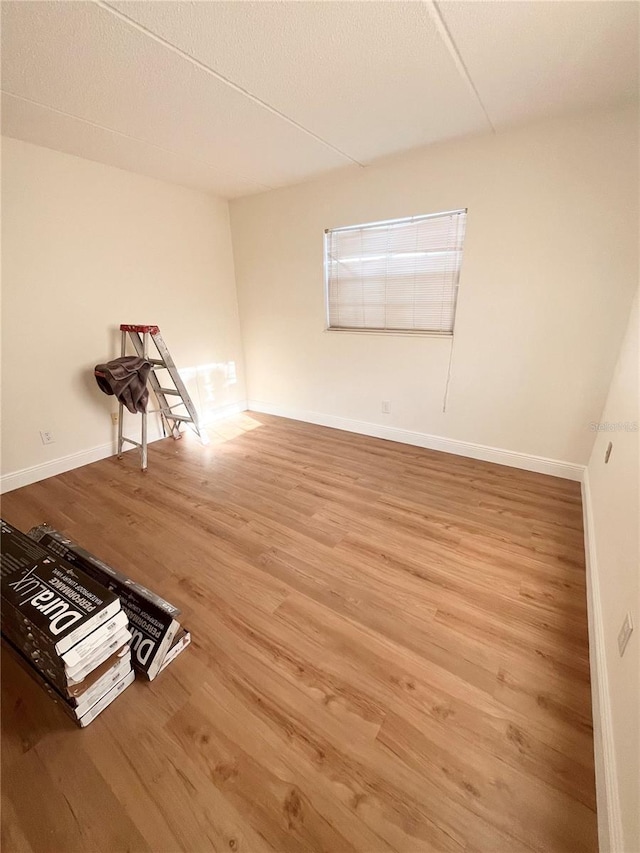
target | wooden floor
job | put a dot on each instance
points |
(389, 654)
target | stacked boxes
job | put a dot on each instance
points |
(157, 636)
(65, 628)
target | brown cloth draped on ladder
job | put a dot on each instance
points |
(126, 378)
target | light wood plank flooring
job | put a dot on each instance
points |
(390, 654)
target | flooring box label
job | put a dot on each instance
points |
(47, 595)
(152, 625)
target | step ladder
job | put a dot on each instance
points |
(170, 388)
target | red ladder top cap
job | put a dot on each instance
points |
(129, 327)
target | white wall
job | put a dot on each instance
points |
(549, 269)
(614, 519)
(84, 248)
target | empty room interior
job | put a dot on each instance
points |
(320, 450)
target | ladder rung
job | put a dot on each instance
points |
(131, 441)
(168, 391)
(179, 417)
(156, 361)
(168, 408)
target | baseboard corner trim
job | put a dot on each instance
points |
(513, 459)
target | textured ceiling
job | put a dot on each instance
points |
(237, 97)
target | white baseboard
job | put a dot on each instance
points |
(35, 473)
(566, 470)
(610, 833)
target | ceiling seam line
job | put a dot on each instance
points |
(136, 139)
(227, 82)
(447, 38)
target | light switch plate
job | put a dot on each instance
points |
(625, 633)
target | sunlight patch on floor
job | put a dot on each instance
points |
(233, 427)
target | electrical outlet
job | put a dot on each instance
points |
(114, 418)
(46, 436)
(386, 407)
(625, 633)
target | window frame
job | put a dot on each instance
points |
(424, 333)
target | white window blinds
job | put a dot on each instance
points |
(396, 276)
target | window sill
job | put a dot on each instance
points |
(392, 332)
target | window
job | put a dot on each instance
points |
(396, 276)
